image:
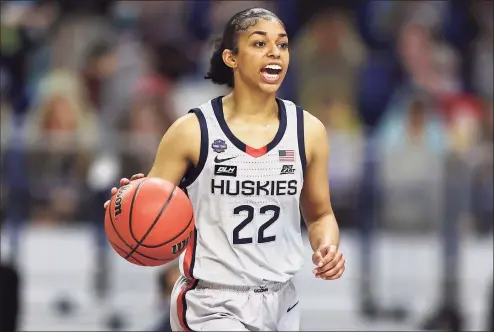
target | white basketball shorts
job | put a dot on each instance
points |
(201, 306)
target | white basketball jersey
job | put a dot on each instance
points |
(246, 202)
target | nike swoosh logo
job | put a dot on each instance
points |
(218, 160)
(293, 306)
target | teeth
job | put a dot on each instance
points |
(271, 76)
(273, 67)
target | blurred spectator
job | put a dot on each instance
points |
(24, 28)
(150, 114)
(420, 55)
(62, 107)
(100, 65)
(10, 299)
(70, 8)
(482, 161)
(78, 24)
(461, 29)
(378, 23)
(166, 280)
(482, 49)
(5, 119)
(413, 122)
(111, 71)
(221, 12)
(412, 145)
(57, 130)
(10, 292)
(464, 116)
(101, 81)
(173, 47)
(329, 54)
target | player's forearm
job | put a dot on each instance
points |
(323, 231)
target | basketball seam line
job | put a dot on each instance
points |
(128, 245)
(162, 243)
(137, 252)
(132, 209)
(138, 261)
(116, 231)
(138, 243)
(172, 239)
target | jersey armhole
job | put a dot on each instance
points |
(193, 172)
(301, 137)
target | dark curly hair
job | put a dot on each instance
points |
(219, 72)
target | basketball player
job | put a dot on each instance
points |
(246, 161)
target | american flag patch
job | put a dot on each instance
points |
(286, 155)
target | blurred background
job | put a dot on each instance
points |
(406, 92)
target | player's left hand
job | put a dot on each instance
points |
(329, 261)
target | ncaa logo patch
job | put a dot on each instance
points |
(219, 145)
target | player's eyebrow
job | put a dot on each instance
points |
(264, 33)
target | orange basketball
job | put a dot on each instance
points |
(149, 222)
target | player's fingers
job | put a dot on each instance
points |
(114, 190)
(317, 258)
(124, 181)
(338, 275)
(106, 204)
(136, 176)
(333, 271)
(332, 254)
(329, 265)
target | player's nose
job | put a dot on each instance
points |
(274, 52)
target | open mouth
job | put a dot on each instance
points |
(271, 72)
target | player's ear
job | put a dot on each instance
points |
(229, 58)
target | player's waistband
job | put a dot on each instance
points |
(267, 288)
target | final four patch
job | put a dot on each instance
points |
(219, 145)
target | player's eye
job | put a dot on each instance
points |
(259, 44)
(284, 45)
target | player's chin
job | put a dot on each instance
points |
(270, 87)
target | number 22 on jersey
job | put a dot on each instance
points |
(261, 237)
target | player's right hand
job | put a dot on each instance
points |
(123, 182)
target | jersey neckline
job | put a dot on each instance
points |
(217, 104)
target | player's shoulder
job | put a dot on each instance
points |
(185, 128)
(190, 124)
(315, 135)
(314, 129)
(186, 123)
(311, 123)
(193, 117)
(308, 118)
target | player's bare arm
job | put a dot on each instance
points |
(316, 204)
(178, 149)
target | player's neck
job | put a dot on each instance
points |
(251, 105)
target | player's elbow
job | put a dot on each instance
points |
(316, 217)
(313, 213)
